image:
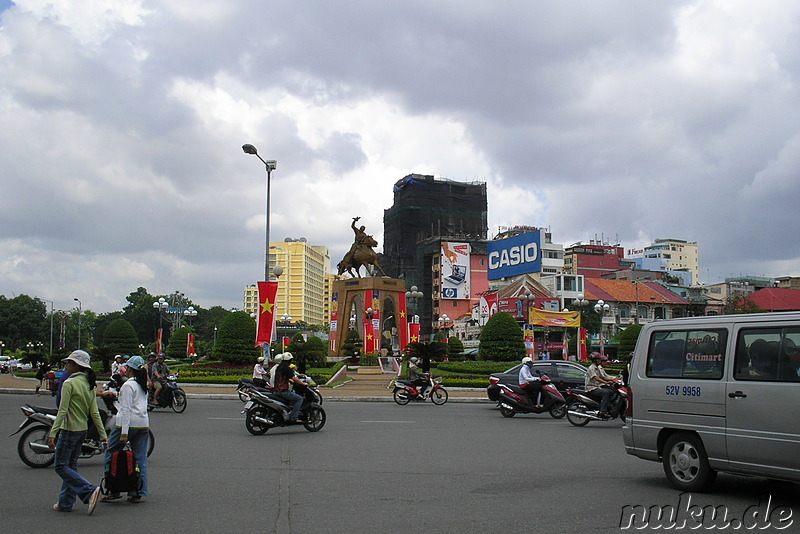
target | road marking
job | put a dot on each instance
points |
(392, 422)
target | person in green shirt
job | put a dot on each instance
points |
(72, 421)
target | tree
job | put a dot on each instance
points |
(502, 339)
(352, 343)
(455, 348)
(119, 338)
(627, 340)
(140, 313)
(737, 305)
(235, 339)
(102, 323)
(307, 353)
(177, 343)
(23, 319)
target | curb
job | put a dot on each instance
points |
(228, 396)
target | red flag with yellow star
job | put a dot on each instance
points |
(402, 320)
(413, 332)
(265, 324)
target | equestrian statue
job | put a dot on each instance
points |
(360, 253)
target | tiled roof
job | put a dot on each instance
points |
(776, 299)
(628, 291)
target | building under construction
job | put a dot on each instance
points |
(425, 212)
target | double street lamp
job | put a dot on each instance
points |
(271, 165)
(414, 294)
(602, 308)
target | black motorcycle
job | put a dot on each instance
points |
(247, 385)
(171, 396)
(582, 407)
(32, 446)
(264, 411)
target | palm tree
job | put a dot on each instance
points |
(432, 350)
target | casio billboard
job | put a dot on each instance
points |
(515, 255)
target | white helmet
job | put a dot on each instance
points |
(413, 359)
(287, 356)
(527, 359)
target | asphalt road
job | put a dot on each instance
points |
(375, 467)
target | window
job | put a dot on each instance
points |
(695, 354)
(568, 371)
(768, 355)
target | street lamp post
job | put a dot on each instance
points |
(80, 309)
(602, 308)
(414, 294)
(443, 321)
(2, 346)
(190, 313)
(161, 304)
(271, 165)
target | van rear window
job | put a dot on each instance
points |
(768, 355)
(690, 354)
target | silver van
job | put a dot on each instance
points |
(717, 393)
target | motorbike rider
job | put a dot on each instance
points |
(418, 378)
(160, 372)
(597, 381)
(275, 361)
(530, 384)
(259, 373)
(284, 379)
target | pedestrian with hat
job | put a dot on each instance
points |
(133, 424)
(77, 405)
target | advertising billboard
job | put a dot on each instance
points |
(516, 255)
(455, 270)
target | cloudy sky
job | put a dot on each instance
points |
(121, 125)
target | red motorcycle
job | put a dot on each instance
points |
(513, 400)
(405, 391)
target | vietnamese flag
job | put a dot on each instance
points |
(190, 345)
(402, 322)
(265, 323)
(413, 332)
(583, 352)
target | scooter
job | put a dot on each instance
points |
(513, 400)
(405, 391)
(170, 396)
(582, 408)
(264, 411)
(32, 445)
(246, 385)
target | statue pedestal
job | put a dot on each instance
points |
(366, 298)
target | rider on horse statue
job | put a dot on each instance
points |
(360, 252)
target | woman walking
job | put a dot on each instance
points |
(133, 424)
(77, 405)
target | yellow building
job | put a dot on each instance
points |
(301, 287)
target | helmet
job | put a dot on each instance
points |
(413, 359)
(287, 356)
(527, 359)
(260, 359)
(598, 356)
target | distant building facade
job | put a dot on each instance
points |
(669, 255)
(301, 287)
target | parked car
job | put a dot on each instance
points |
(564, 375)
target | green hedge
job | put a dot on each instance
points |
(474, 368)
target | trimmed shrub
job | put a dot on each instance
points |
(502, 339)
(235, 339)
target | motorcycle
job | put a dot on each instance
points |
(581, 408)
(32, 446)
(247, 385)
(264, 411)
(171, 396)
(404, 391)
(513, 400)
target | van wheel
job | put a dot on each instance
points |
(686, 462)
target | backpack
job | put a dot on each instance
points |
(122, 474)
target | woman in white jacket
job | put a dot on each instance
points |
(133, 423)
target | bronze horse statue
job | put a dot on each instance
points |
(360, 254)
